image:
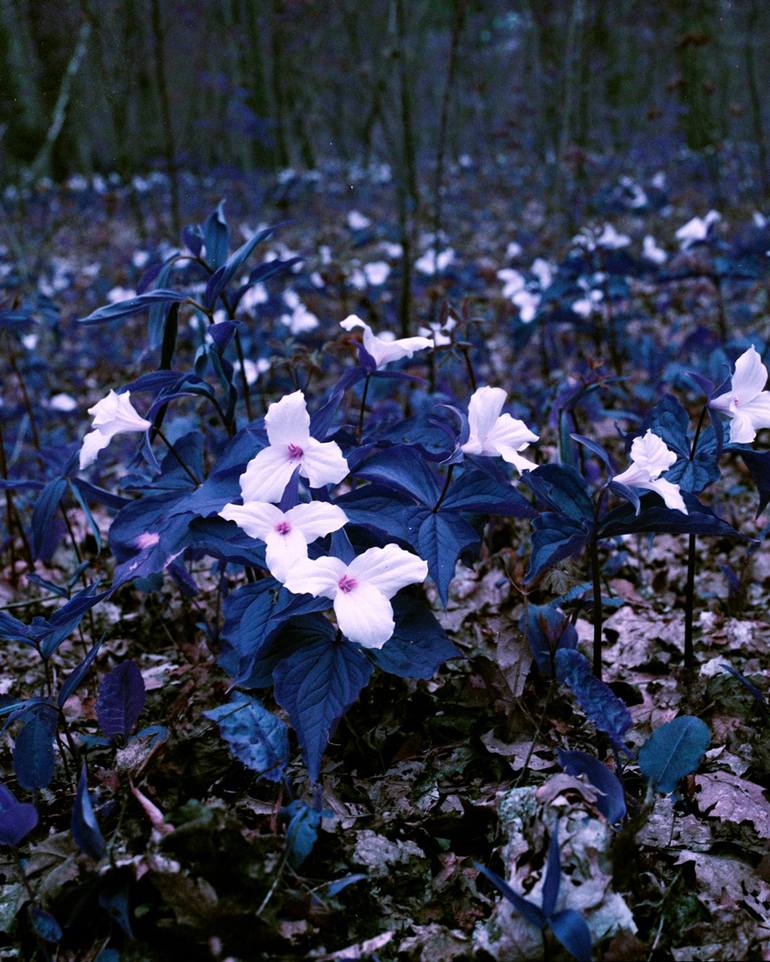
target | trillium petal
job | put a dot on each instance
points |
(267, 475)
(650, 453)
(633, 476)
(316, 519)
(757, 410)
(93, 443)
(115, 414)
(352, 321)
(388, 569)
(284, 551)
(750, 376)
(322, 463)
(287, 421)
(510, 431)
(384, 351)
(668, 491)
(316, 577)
(256, 518)
(364, 615)
(722, 403)
(484, 409)
(742, 429)
(512, 456)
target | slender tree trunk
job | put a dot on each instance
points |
(169, 147)
(438, 183)
(754, 98)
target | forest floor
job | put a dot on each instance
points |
(422, 778)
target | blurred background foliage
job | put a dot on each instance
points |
(241, 85)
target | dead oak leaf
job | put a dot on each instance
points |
(726, 796)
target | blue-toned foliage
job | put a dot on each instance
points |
(17, 819)
(120, 700)
(598, 702)
(302, 831)
(547, 630)
(256, 736)
(85, 828)
(316, 683)
(673, 751)
(33, 751)
(611, 803)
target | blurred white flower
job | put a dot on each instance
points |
(612, 239)
(513, 281)
(376, 273)
(697, 229)
(120, 294)
(651, 251)
(393, 251)
(358, 221)
(543, 272)
(255, 295)
(62, 402)
(252, 369)
(430, 263)
(112, 415)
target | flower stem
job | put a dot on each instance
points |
(536, 736)
(597, 606)
(180, 461)
(689, 598)
(244, 379)
(444, 490)
(689, 604)
(362, 411)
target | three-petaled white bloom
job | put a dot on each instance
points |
(361, 591)
(382, 348)
(650, 457)
(285, 533)
(493, 433)
(746, 403)
(287, 423)
(112, 415)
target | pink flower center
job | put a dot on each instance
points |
(283, 527)
(295, 452)
(346, 583)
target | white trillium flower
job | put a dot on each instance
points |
(697, 229)
(62, 402)
(361, 591)
(651, 251)
(287, 423)
(527, 303)
(285, 533)
(376, 272)
(543, 272)
(432, 263)
(112, 415)
(650, 457)
(358, 221)
(746, 403)
(612, 239)
(513, 281)
(382, 349)
(493, 433)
